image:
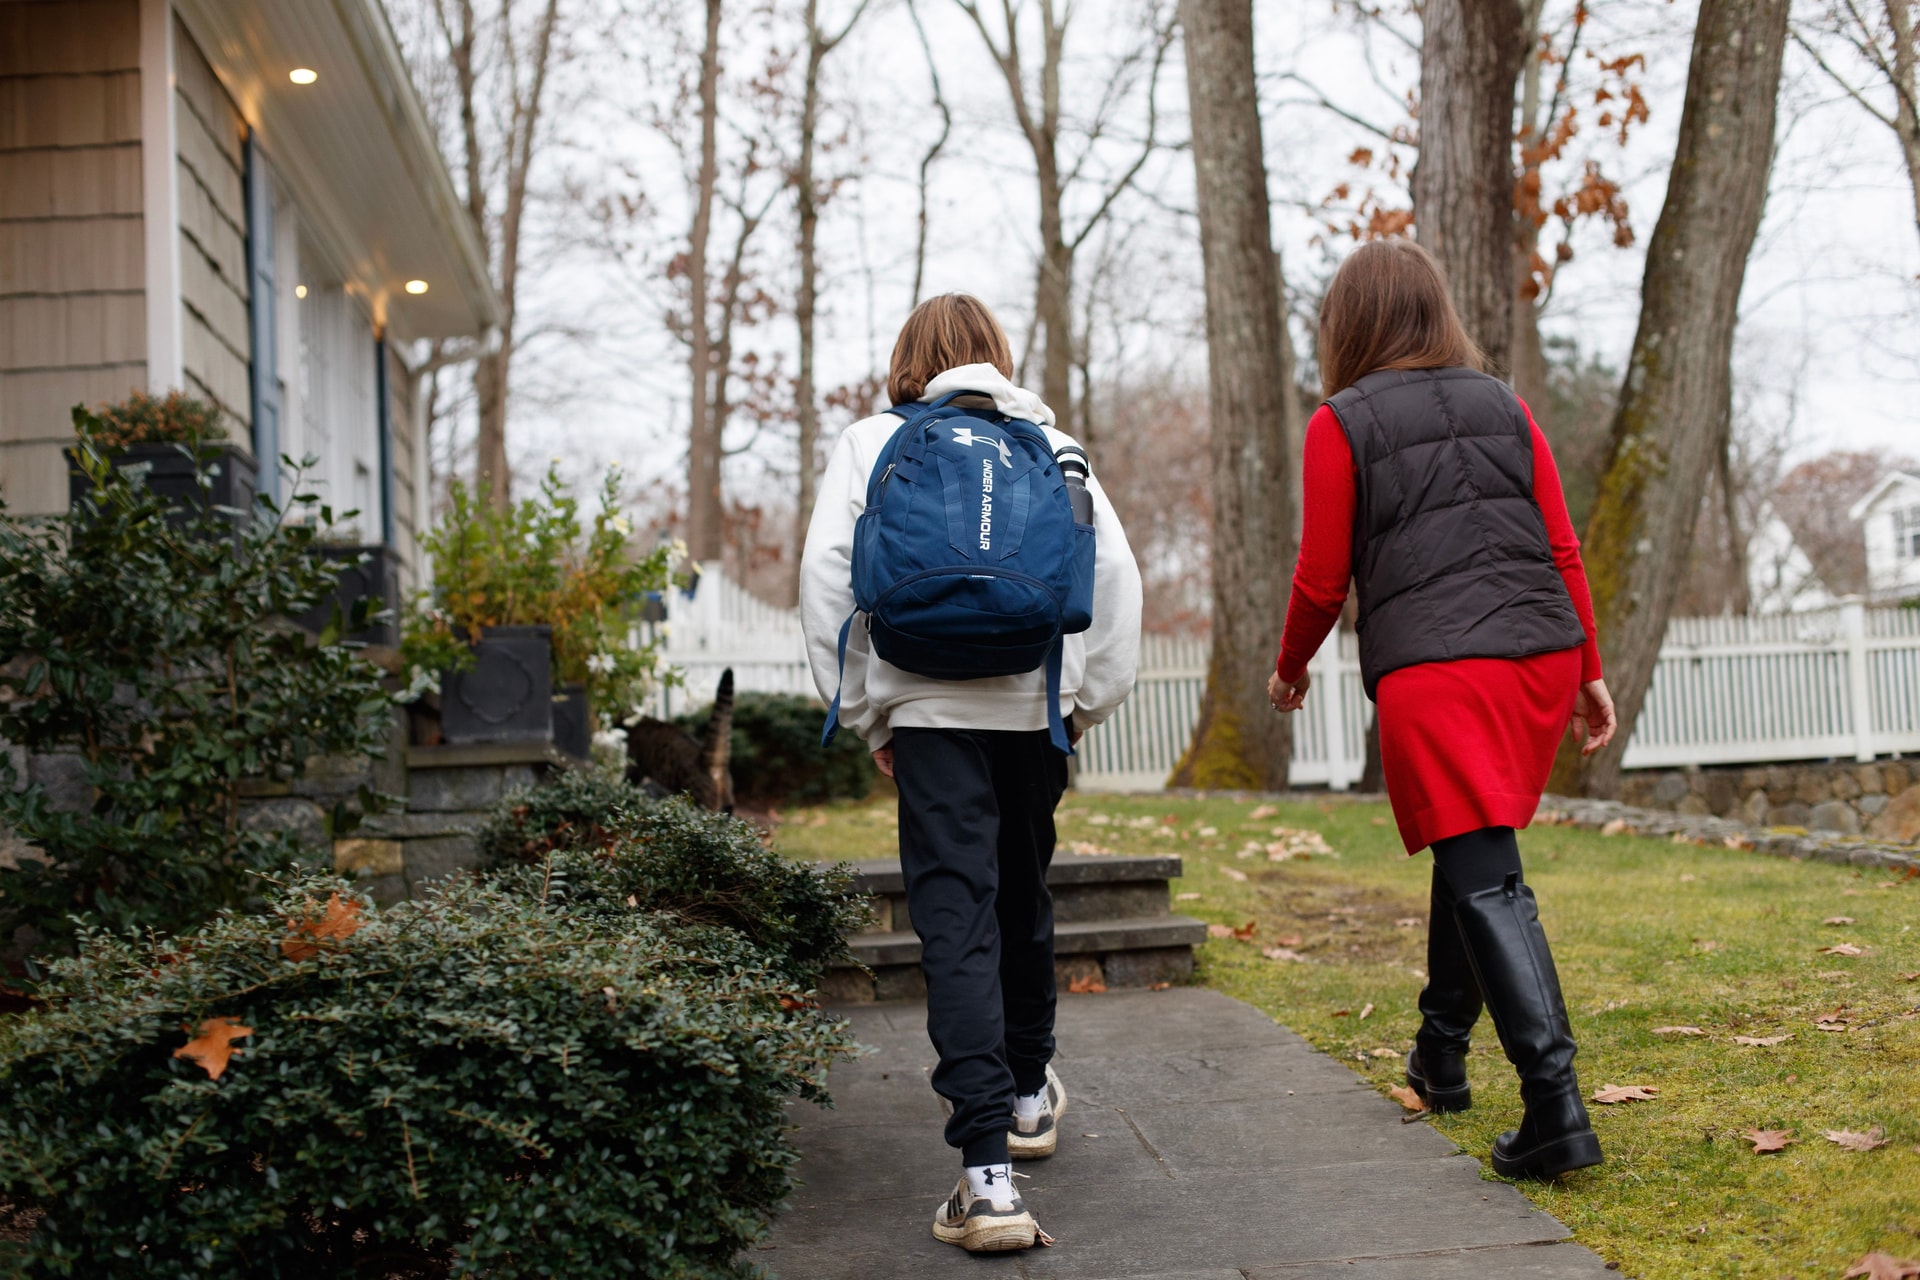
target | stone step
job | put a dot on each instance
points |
(1084, 937)
(1092, 887)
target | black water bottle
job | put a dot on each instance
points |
(1073, 469)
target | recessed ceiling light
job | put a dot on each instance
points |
(299, 291)
(303, 75)
(416, 286)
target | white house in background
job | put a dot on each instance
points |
(241, 198)
(1890, 518)
(1780, 577)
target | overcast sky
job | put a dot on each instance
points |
(1828, 318)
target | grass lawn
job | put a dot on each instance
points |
(1647, 934)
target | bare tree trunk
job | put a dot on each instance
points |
(1676, 404)
(1901, 16)
(932, 152)
(1054, 305)
(1239, 741)
(704, 535)
(1463, 181)
(1739, 587)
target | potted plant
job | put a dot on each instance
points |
(367, 571)
(528, 630)
(179, 444)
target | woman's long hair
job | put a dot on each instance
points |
(944, 333)
(1388, 308)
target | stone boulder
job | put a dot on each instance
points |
(1900, 820)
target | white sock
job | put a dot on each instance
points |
(1026, 1106)
(991, 1181)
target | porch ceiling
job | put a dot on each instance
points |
(356, 152)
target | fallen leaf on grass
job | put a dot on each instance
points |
(1874, 1137)
(1264, 811)
(1281, 953)
(1838, 920)
(213, 1046)
(1835, 1021)
(1607, 1094)
(341, 921)
(1910, 977)
(1384, 1052)
(1737, 842)
(1234, 873)
(1705, 944)
(1366, 1011)
(1763, 1041)
(1099, 819)
(1406, 1097)
(1245, 931)
(1343, 1013)
(1219, 931)
(1186, 897)
(1881, 1266)
(1678, 1031)
(1207, 833)
(1843, 949)
(1765, 1140)
(1688, 878)
(1086, 848)
(1087, 985)
(1614, 827)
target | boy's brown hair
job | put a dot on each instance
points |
(1388, 308)
(944, 333)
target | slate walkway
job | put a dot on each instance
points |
(1201, 1142)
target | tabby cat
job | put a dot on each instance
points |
(665, 760)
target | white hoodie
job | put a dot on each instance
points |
(876, 697)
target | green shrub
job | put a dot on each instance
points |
(705, 870)
(147, 648)
(777, 757)
(142, 418)
(483, 1082)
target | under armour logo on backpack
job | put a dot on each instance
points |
(965, 436)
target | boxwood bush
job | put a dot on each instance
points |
(489, 1081)
(706, 870)
(777, 756)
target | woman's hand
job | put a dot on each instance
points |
(1593, 720)
(1288, 697)
(883, 759)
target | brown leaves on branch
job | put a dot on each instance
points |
(213, 1047)
(340, 922)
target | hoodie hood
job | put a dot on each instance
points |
(1015, 402)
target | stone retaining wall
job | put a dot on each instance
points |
(1881, 799)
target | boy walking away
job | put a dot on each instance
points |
(971, 608)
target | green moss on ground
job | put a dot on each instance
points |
(1647, 934)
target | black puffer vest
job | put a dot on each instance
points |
(1449, 547)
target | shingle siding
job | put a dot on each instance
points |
(215, 342)
(72, 257)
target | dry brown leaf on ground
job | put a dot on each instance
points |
(1737, 842)
(1688, 878)
(1234, 874)
(1678, 1031)
(1874, 1137)
(341, 921)
(1086, 985)
(1282, 953)
(1766, 1140)
(1608, 1094)
(1616, 826)
(1186, 897)
(1838, 920)
(1910, 977)
(1406, 1097)
(1343, 1013)
(1263, 812)
(1882, 1266)
(1843, 949)
(1705, 944)
(1383, 1052)
(1219, 931)
(213, 1046)
(1245, 931)
(1289, 940)
(1366, 1012)
(1763, 1041)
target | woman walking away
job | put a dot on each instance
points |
(1429, 485)
(971, 609)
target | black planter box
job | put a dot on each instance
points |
(507, 695)
(172, 474)
(378, 576)
(573, 722)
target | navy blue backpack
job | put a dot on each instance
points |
(967, 561)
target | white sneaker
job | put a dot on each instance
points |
(985, 1224)
(1037, 1138)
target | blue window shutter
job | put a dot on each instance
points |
(383, 409)
(262, 300)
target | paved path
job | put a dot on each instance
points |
(1201, 1142)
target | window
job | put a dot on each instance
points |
(1906, 532)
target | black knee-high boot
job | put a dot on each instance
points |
(1508, 950)
(1449, 1006)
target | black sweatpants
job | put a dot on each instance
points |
(976, 836)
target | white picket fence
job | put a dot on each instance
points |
(1841, 683)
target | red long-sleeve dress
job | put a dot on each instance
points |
(1464, 744)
